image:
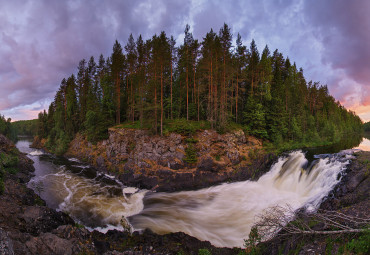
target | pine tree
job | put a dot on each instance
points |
(226, 41)
(118, 60)
(131, 53)
(253, 65)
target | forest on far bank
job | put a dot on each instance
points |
(154, 84)
(367, 126)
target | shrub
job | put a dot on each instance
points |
(251, 243)
(360, 245)
(204, 252)
(191, 154)
(191, 140)
(182, 126)
(8, 160)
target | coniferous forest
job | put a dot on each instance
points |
(153, 82)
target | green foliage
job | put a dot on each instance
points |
(8, 160)
(131, 125)
(254, 119)
(204, 252)
(8, 164)
(7, 129)
(95, 126)
(361, 245)
(182, 126)
(191, 140)
(190, 154)
(366, 126)
(26, 127)
(61, 144)
(329, 246)
(77, 225)
(251, 243)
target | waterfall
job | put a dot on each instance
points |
(224, 214)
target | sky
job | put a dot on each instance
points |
(42, 41)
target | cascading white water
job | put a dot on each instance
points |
(225, 214)
(221, 214)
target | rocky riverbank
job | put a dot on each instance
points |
(27, 226)
(351, 197)
(174, 162)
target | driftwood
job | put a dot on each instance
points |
(282, 221)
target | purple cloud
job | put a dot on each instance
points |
(43, 41)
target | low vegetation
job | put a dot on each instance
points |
(8, 164)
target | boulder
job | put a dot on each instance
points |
(207, 163)
(6, 244)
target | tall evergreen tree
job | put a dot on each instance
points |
(118, 60)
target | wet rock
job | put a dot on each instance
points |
(100, 162)
(208, 164)
(6, 244)
(355, 180)
(39, 219)
(48, 243)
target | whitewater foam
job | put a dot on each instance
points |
(36, 153)
(224, 214)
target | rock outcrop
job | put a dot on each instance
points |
(174, 162)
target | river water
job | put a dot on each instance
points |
(222, 214)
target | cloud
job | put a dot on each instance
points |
(43, 41)
(343, 29)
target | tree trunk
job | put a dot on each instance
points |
(161, 99)
(171, 90)
(187, 94)
(198, 100)
(132, 103)
(237, 96)
(118, 110)
(155, 99)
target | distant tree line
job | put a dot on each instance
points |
(26, 127)
(153, 81)
(7, 129)
(367, 126)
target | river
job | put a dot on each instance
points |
(221, 214)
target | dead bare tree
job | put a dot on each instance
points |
(283, 221)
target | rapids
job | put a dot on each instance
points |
(221, 214)
(224, 214)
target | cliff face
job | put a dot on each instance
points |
(173, 162)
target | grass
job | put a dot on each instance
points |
(130, 125)
(181, 126)
(184, 127)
